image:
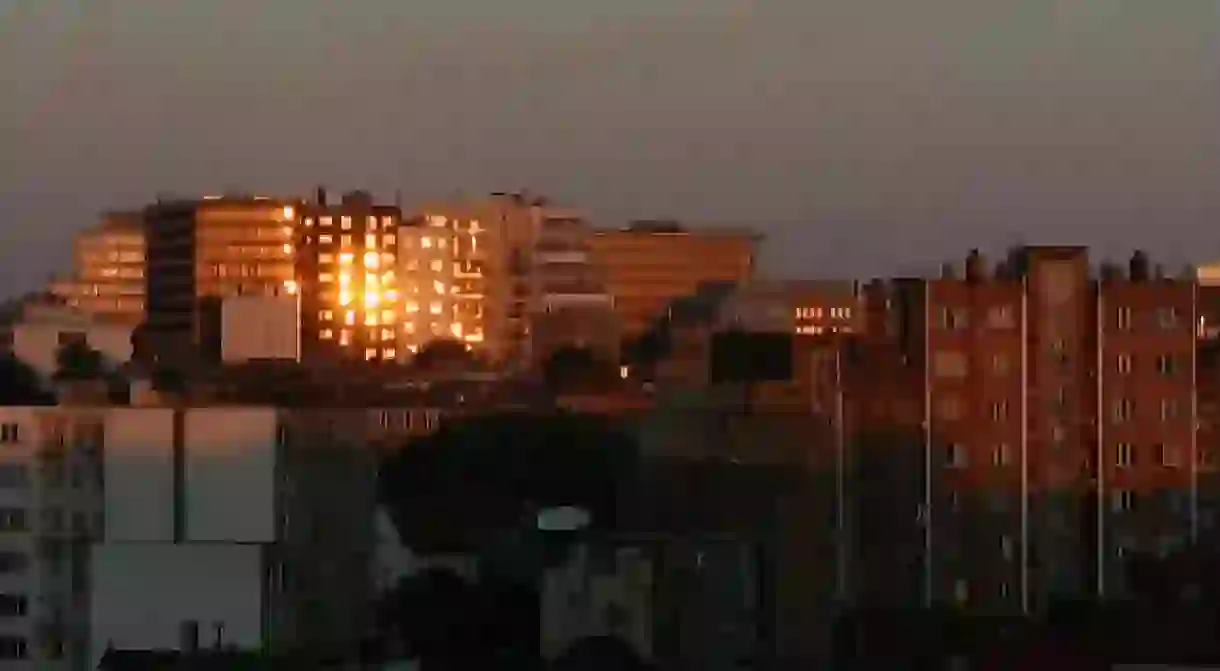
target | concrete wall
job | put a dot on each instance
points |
(139, 475)
(143, 592)
(260, 327)
(37, 342)
(230, 474)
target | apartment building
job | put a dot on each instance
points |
(200, 251)
(249, 527)
(108, 269)
(1040, 423)
(647, 265)
(346, 271)
(483, 270)
(50, 508)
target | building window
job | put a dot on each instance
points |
(425, 242)
(1000, 317)
(1123, 500)
(999, 411)
(1124, 455)
(1168, 455)
(1166, 365)
(324, 221)
(345, 337)
(1123, 409)
(14, 476)
(325, 239)
(389, 353)
(370, 354)
(1001, 455)
(435, 307)
(13, 647)
(954, 319)
(345, 223)
(1124, 364)
(389, 240)
(370, 241)
(326, 315)
(950, 364)
(955, 456)
(1167, 318)
(1169, 410)
(13, 519)
(1123, 319)
(10, 433)
(326, 334)
(437, 265)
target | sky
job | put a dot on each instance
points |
(862, 137)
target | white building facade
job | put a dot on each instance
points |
(36, 334)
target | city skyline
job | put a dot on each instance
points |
(828, 126)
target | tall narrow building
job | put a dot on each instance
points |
(347, 275)
(201, 251)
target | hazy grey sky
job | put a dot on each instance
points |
(863, 136)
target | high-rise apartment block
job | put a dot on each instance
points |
(484, 270)
(647, 265)
(200, 251)
(1027, 428)
(108, 269)
(347, 276)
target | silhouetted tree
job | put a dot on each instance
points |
(599, 653)
(442, 353)
(571, 368)
(77, 361)
(490, 473)
(20, 384)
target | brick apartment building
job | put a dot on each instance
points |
(1017, 432)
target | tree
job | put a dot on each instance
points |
(488, 474)
(442, 353)
(20, 384)
(77, 361)
(569, 368)
(599, 653)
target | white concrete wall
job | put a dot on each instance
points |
(143, 592)
(260, 327)
(230, 474)
(37, 343)
(139, 475)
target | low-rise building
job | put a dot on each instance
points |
(36, 330)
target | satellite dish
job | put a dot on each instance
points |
(563, 518)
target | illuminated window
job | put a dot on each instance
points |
(440, 244)
(326, 238)
(389, 240)
(326, 315)
(326, 334)
(344, 298)
(389, 353)
(326, 277)
(408, 327)
(370, 241)
(387, 334)
(391, 295)
(345, 337)
(345, 223)
(413, 348)
(435, 307)
(287, 249)
(345, 259)
(324, 221)
(436, 220)
(372, 260)
(435, 328)
(370, 354)
(387, 316)
(308, 222)
(326, 258)
(370, 281)
(438, 287)
(412, 306)
(345, 241)
(388, 259)
(349, 318)
(437, 265)
(371, 299)
(370, 319)
(425, 242)
(372, 223)
(387, 222)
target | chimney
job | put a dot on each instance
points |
(320, 196)
(189, 637)
(1139, 270)
(976, 267)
